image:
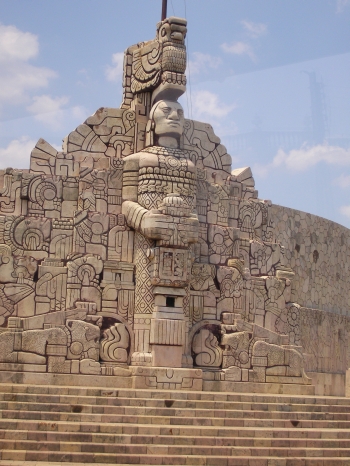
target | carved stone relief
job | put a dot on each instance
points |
(138, 245)
(206, 348)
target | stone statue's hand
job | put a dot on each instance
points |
(190, 228)
(155, 225)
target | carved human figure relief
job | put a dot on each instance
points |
(159, 192)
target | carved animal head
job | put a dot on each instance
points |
(172, 30)
(158, 63)
(85, 339)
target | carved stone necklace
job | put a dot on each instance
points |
(159, 150)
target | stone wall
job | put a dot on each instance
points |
(318, 251)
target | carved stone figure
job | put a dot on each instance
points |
(157, 64)
(159, 192)
(138, 245)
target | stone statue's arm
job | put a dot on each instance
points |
(134, 214)
(150, 223)
(131, 208)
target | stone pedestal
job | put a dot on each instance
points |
(166, 356)
(167, 336)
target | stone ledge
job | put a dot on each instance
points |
(251, 387)
(35, 378)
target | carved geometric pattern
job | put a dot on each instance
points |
(144, 300)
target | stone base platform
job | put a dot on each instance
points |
(154, 378)
(123, 380)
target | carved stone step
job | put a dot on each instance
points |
(117, 431)
(109, 410)
(242, 461)
(216, 397)
(51, 428)
(81, 458)
(45, 401)
(173, 450)
(174, 420)
(283, 440)
(70, 425)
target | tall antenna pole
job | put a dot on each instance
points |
(164, 9)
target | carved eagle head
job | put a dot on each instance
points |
(166, 53)
(171, 34)
(172, 30)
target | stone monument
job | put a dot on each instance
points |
(136, 257)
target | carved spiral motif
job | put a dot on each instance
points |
(205, 347)
(114, 344)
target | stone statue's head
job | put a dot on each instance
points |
(166, 118)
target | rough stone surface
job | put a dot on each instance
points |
(318, 251)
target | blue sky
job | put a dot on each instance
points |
(250, 68)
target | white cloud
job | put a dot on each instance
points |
(345, 210)
(239, 48)
(84, 77)
(201, 62)
(115, 72)
(206, 104)
(47, 104)
(298, 160)
(17, 153)
(17, 45)
(260, 171)
(51, 111)
(341, 5)
(17, 76)
(48, 110)
(79, 113)
(255, 30)
(306, 157)
(343, 181)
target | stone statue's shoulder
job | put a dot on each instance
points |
(132, 157)
(148, 159)
(132, 162)
(140, 159)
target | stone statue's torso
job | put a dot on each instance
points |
(163, 171)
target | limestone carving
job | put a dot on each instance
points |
(155, 63)
(114, 344)
(138, 245)
(206, 348)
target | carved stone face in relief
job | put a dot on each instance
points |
(168, 118)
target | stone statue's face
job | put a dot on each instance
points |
(168, 119)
